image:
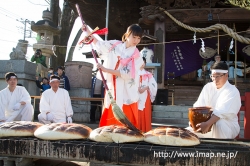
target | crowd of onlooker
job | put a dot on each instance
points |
(43, 83)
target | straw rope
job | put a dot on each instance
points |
(223, 27)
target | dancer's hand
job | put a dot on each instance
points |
(100, 66)
(141, 90)
(84, 27)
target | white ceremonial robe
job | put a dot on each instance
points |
(126, 85)
(9, 99)
(225, 103)
(57, 103)
(151, 83)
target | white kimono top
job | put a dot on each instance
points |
(225, 103)
(147, 80)
(9, 99)
(59, 103)
(126, 84)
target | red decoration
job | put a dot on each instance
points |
(89, 39)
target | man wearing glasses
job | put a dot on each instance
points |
(224, 99)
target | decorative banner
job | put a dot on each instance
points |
(182, 58)
(185, 57)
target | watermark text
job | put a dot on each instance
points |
(176, 154)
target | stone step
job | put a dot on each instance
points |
(160, 114)
(170, 121)
(195, 88)
(155, 125)
(184, 95)
(169, 111)
(170, 108)
(182, 102)
(178, 121)
(179, 116)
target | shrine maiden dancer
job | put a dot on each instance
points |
(122, 62)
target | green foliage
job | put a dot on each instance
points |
(38, 37)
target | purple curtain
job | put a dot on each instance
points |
(183, 57)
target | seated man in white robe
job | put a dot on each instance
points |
(55, 104)
(225, 101)
(15, 101)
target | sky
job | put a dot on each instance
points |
(12, 30)
(12, 12)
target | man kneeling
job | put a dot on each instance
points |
(55, 104)
(224, 99)
(15, 101)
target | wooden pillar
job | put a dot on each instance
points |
(159, 51)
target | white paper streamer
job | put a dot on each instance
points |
(194, 38)
(202, 46)
(231, 44)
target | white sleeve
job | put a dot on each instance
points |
(203, 98)
(2, 110)
(44, 102)
(229, 105)
(67, 104)
(25, 95)
(104, 48)
(152, 88)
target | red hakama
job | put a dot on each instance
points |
(145, 116)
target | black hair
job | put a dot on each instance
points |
(217, 55)
(60, 67)
(39, 50)
(19, 84)
(219, 65)
(133, 29)
(9, 75)
(54, 77)
(45, 78)
(144, 59)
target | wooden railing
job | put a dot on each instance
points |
(72, 98)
